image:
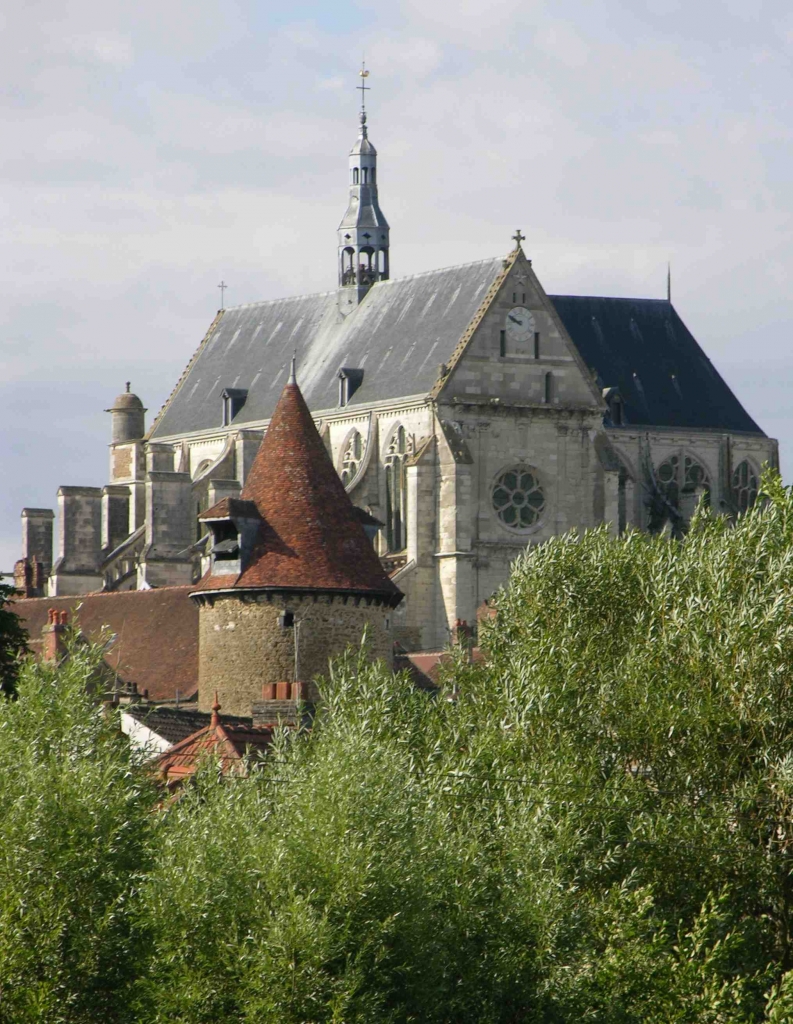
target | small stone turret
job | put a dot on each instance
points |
(128, 418)
(293, 578)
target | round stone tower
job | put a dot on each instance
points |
(127, 418)
(293, 578)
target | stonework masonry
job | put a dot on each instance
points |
(251, 640)
(80, 536)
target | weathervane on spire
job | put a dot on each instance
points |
(364, 74)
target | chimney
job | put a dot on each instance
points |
(53, 636)
(278, 705)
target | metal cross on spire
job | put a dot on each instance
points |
(518, 238)
(364, 74)
(223, 286)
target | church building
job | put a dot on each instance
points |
(467, 412)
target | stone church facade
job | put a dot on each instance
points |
(468, 413)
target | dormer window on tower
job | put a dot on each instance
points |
(233, 525)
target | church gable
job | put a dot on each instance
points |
(517, 349)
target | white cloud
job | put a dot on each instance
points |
(106, 47)
(160, 147)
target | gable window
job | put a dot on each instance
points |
(352, 457)
(396, 490)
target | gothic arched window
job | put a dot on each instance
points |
(396, 490)
(351, 457)
(355, 175)
(681, 474)
(744, 486)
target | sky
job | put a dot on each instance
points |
(151, 150)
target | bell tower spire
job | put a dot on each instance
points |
(363, 232)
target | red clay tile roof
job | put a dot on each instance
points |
(310, 537)
(228, 507)
(219, 740)
(156, 643)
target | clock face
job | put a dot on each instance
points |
(519, 324)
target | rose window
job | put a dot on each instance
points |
(517, 498)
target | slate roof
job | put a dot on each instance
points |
(176, 724)
(405, 328)
(156, 645)
(310, 535)
(221, 740)
(399, 335)
(643, 347)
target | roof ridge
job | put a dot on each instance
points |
(611, 298)
(379, 284)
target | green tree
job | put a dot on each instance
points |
(13, 639)
(74, 824)
(594, 825)
(595, 829)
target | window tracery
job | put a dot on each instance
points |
(396, 490)
(518, 498)
(352, 457)
(681, 474)
(745, 486)
(677, 485)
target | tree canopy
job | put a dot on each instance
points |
(596, 824)
(12, 641)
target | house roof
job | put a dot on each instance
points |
(398, 336)
(405, 328)
(156, 634)
(176, 724)
(310, 536)
(221, 740)
(643, 348)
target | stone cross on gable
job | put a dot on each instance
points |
(518, 238)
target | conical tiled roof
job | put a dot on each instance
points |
(310, 536)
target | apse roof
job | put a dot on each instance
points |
(643, 348)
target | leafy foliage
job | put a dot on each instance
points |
(74, 821)
(594, 825)
(12, 641)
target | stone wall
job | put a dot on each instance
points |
(245, 644)
(80, 538)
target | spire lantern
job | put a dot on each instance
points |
(364, 231)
